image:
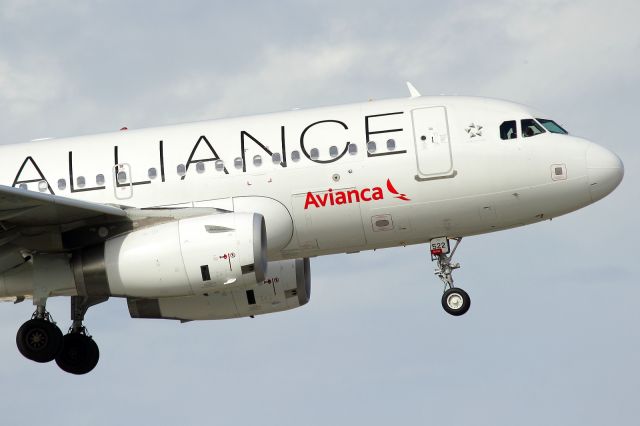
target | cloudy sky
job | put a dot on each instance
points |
(553, 335)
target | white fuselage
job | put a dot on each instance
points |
(451, 172)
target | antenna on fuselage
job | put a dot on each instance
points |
(412, 90)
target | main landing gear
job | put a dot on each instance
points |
(40, 340)
(79, 353)
(455, 301)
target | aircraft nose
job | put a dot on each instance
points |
(605, 171)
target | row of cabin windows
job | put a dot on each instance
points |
(181, 169)
(314, 153)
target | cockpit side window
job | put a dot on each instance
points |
(552, 126)
(531, 128)
(508, 130)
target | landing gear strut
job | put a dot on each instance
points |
(80, 353)
(39, 339)
(455, 301)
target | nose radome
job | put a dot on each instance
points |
(605, 171)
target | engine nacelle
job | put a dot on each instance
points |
(181, 258)
(287, 285)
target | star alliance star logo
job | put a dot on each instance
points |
(474, 130)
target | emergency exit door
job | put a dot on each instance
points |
(432, 142)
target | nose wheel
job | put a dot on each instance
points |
(455, 301)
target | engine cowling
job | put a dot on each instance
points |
(287, 285)
(186, 257)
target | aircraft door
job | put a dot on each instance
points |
(122, 181)
(432, 142)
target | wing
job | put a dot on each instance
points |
(32, 222)
(35, 221)
(19, 207)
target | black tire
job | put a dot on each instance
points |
(79, 355)
(39, 340)
(456, 301)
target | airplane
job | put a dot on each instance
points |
(218, 219)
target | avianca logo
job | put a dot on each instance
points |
(332, 198)
(393, 190)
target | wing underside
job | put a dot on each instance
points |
(28, 208)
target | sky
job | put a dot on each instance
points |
(552, 335)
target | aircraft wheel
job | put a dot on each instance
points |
(456, 301)
(79, 355)
(39, 340)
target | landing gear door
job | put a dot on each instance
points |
(432, 142)
(122, 181)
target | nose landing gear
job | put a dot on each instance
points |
(455, 301)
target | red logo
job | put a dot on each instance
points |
(395, 192)
(332, 198)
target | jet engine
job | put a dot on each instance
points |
(287, 285)
(185, 257)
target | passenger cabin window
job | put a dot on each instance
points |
(43, 186)
(81, 182)
(219, 165)
(100, 179)
(295, 156)
(391, 144)
(333, 151)
(276, 158)
(508, 130)
(121, 177)
(530, 128)
(314, 153)
(181, 170)
(353, 149)
(371, 147)
(552, 126)
(153, 173)
(62, 184)
(257, 161)
(237, 162)
(200, 167)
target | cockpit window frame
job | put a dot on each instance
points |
(553, 126)
(533, 124)
(506, 127)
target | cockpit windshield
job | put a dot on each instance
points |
(552, 126)
(529, 127)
